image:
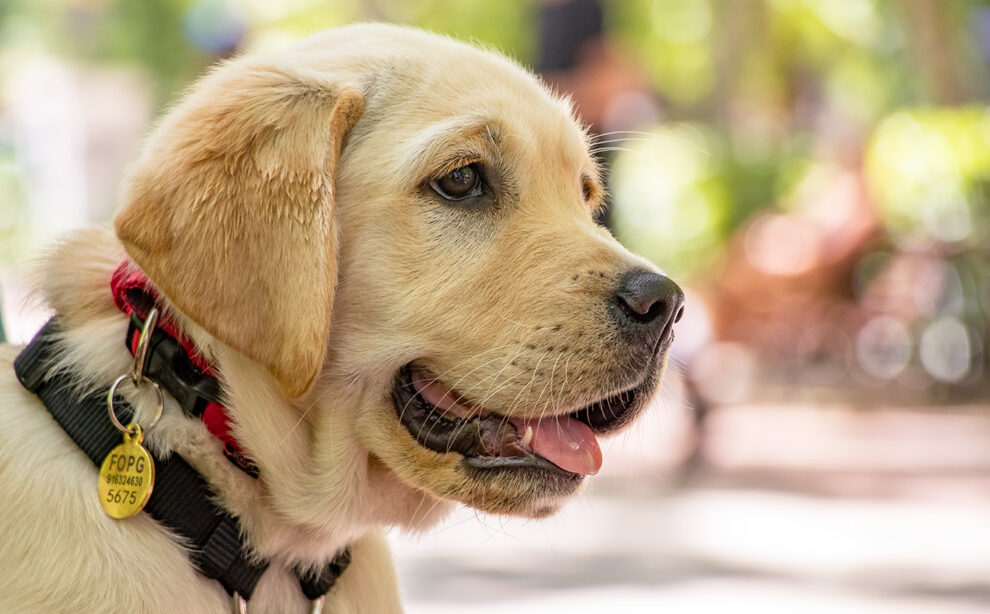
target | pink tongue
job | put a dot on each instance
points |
(565, 442)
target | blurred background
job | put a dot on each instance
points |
(815, 173)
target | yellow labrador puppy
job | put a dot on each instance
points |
(377, 248)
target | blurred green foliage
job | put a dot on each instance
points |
(930, 173)
(153, 33)
(507, 26)
(147, 33)
(778, 86)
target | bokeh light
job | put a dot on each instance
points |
(883, 347)
(670, 202)
(944, 350)
(925, 168)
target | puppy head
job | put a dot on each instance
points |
(437, 203)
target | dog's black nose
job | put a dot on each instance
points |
(649, 301)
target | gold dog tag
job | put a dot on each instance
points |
(127, 476)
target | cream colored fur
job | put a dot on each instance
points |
(280, 210)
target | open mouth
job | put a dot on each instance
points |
(444, 422)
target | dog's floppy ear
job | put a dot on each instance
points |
(230, 212)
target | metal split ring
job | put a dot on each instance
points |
(136, 376)
(113, 391)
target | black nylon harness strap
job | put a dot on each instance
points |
(181, 499)
(315, 586)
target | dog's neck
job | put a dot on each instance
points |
(309, 500)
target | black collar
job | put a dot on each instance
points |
(181, 499)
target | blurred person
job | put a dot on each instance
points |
(608, 87)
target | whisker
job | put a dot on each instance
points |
(617, 132)
(647, 137)
(437, 378)
(607, 149)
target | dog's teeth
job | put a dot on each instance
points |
(527, 436)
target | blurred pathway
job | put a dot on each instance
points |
(878, 512)
(707, 551)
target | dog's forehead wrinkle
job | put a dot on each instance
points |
(441, 137)
(494, 113)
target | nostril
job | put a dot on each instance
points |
(648, 298)
(655, 311)
(635, 311)
(680, 314)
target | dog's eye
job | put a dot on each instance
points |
(459, 183)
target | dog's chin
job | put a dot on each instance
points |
(495, 462)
